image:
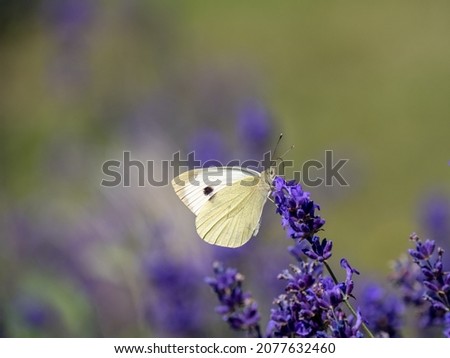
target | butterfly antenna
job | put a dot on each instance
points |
(286, 152)
(276, 145)
(280, 158)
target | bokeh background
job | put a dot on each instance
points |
(82, 81)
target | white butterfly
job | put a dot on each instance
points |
(227, 201)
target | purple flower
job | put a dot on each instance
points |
(296, 209)
(297, 250)
(254, 128)
(428, 287)
(348, 284)
(347, 327)
(69, 18)
(34, 312)
(254, 122)
(383, 311)
(310, 306)
(70, 22)
(208, 146)
(300, 277)
(168, 310)
(447, 325)
(423, 251)
(320, 251)
(435, 217)
(407, 277)
(237, 307)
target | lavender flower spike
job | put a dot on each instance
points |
(298, 212)
(433, 283)
(311, 306)
(237, 307)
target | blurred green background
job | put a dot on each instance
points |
(82, 81)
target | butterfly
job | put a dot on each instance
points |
(227, 201)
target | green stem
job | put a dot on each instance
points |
(347, 303)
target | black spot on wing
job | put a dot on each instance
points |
(208, 190)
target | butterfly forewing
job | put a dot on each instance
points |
(197, 186)
(231, 217)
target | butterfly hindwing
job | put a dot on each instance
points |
(231, 217)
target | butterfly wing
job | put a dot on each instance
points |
(197, 186)
(231, 216)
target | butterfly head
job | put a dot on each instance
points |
(269, 175)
